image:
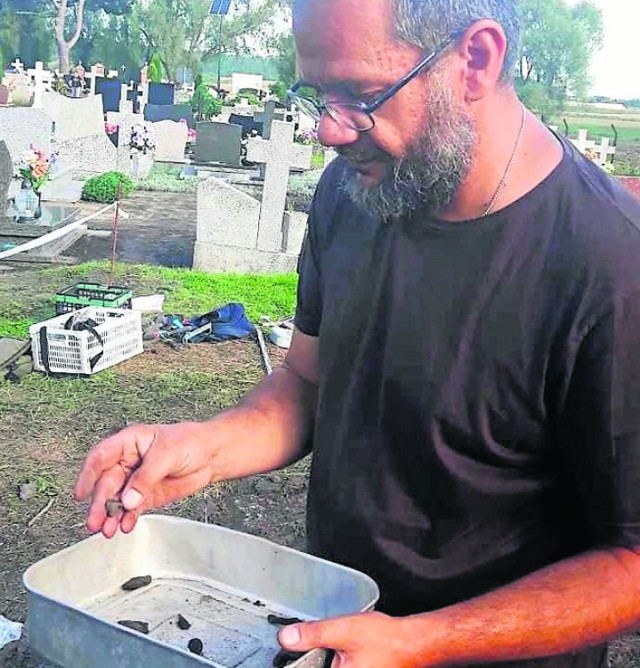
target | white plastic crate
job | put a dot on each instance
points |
(73, 351)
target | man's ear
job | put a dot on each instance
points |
(483, 48)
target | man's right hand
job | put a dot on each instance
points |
(146, 466)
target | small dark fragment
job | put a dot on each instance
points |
(136, 583)
(195, 646)
(276, 620)
(141, 627)
(113, 507)
(285, 657)
(259, 604)
(183, 623)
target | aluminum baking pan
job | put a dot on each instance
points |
(223, 582)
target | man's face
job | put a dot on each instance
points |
(419, 151)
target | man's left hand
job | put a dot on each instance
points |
(367, 640)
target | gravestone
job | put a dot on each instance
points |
(168, 112)
(20, 127)
(41, 80)
(161, 94)
(125, 106)
(4, 95)
(6, 174)
(75, 117)
(125, 123)
(247, 123)
(110, 91)
(171, 141)
(89, 155)
(218, 142)
(267, 117)
(280, 154)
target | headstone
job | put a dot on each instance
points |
(20, 127)
(161, 93)
(89, 155)
(6, 174)
(125, 123)
(75, 117)
(330, 154)
(41, 78)
(4, 95)
(125, 106)
(18, 65)
(144, 94)
(168, 112)
(110, 90)
(280, 154)
(267, 117)
(218, 142)
(247, 123)
(96, 72)
(171, 141)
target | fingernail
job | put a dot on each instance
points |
(131, 499)
(290, 635)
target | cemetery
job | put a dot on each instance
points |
(144, 187)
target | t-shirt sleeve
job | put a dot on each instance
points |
(599, 433)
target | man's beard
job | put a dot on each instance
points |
(429, 176)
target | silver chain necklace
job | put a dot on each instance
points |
(503, 181)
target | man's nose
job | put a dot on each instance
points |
(333, 133)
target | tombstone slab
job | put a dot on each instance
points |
(75, 117)
(6, 174)
(89, 155)
(215, 258)
(226, 216)
(280, 154)
(218, 142)
(171, 141)
(168, 112)
(20, 127)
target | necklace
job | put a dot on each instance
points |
(503, 181)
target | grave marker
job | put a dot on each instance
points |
(40, 77)
(6, 174)
(267, 117)
(280, 154)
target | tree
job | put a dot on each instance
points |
(557, 44)
(155, 68)
(183, 32)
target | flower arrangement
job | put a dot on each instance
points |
(307, 137)
(111, 128)
(35, 168)
(192, 135)
(142, 138)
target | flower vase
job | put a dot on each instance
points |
(141, 164)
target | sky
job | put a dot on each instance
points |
(614, 69)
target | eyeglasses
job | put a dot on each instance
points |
(358, 115)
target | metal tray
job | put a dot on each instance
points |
(224, 582)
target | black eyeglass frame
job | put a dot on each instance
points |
(369, 108)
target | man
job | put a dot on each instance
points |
(466, 359)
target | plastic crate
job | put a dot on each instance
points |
(76, 351)
(82, 295)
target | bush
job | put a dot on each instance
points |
(204, 105)
(104, 188)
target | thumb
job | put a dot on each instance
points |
(328, 634)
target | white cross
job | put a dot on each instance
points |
(267, 117)
(280, 154)
(601, 151)
(18, 65)
(40, 77)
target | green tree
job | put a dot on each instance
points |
(184, 33)
(557, 44)
(155, 68)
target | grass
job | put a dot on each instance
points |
(599, 125)
(187, 292)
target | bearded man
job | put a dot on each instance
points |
(466, 363)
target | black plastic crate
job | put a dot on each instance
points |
(81, 295)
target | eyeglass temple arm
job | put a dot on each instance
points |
(414, 72)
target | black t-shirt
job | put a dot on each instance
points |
(479, 398)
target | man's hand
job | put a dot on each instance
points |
(367, 640)
(146, 466)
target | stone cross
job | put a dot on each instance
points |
(601, 151)
(267, 117)
(126, 107)
(40, 76)
(144, 95)
(96, 71)
(280, 154)
(18, 65)
(6, 174)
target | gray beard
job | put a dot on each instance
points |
(428, 178)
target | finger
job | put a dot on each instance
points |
(330, 634)
(120, 447)
(155, 483)
(108, 487)
(110, 527)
